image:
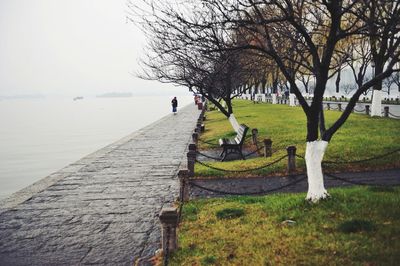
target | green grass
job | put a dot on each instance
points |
(361, 137)
(356, 226)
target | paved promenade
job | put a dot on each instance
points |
(102, 209)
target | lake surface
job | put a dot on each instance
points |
(39, 137)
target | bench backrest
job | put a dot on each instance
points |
(241, 134)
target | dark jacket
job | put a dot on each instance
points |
(174, 103)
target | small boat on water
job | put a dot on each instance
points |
(78, 98)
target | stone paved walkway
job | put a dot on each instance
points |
(102, 209)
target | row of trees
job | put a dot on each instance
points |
(220, 48)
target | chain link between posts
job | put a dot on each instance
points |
(359, 111)
(356, 161)
(261, 192)
(363, 160)
(352, 181)
(245, 155)
(395, 116)
(217, 145)
(242, 171)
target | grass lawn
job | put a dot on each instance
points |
(361, 137)
(357, 226)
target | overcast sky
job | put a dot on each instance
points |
(70, 47)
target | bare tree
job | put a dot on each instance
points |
(348, 88)
(299, 34)
(387, 84)
(360, 60)
(381, 18)
(179, 53)
(396, 79)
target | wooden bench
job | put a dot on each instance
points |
(235, 144)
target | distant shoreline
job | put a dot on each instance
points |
(115, 95)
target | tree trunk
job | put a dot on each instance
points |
(273, 98)
(376, 108)
(337, 82)
(291, 99)
(314, 154)
(234, 122)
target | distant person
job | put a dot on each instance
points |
(174, 103)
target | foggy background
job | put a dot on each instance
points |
(71, 48)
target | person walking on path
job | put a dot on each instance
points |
(174, 103)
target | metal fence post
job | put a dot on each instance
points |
(267, 147)
(367, 110)
(328, 106)
(184, 185)
(291, 151)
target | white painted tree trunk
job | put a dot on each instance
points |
(273, 98)
(263, 98)
(376, 108)
(234, 122)
(314, 154)
(260, 88)
(291, 99)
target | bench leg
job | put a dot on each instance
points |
(222, 153)
(226, 154)
(239, 150)
(241, 154)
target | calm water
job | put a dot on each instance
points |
(39, 137)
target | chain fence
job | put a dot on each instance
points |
(219, 158)
(208, 142)
(353, 182)
(208, 156)
(261, 192)
(359, 111)
(393, 115)
(253, 152)
(244, 170)
(363, 110)
(363, 160)
(355, 161)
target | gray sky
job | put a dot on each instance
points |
(70, 47)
